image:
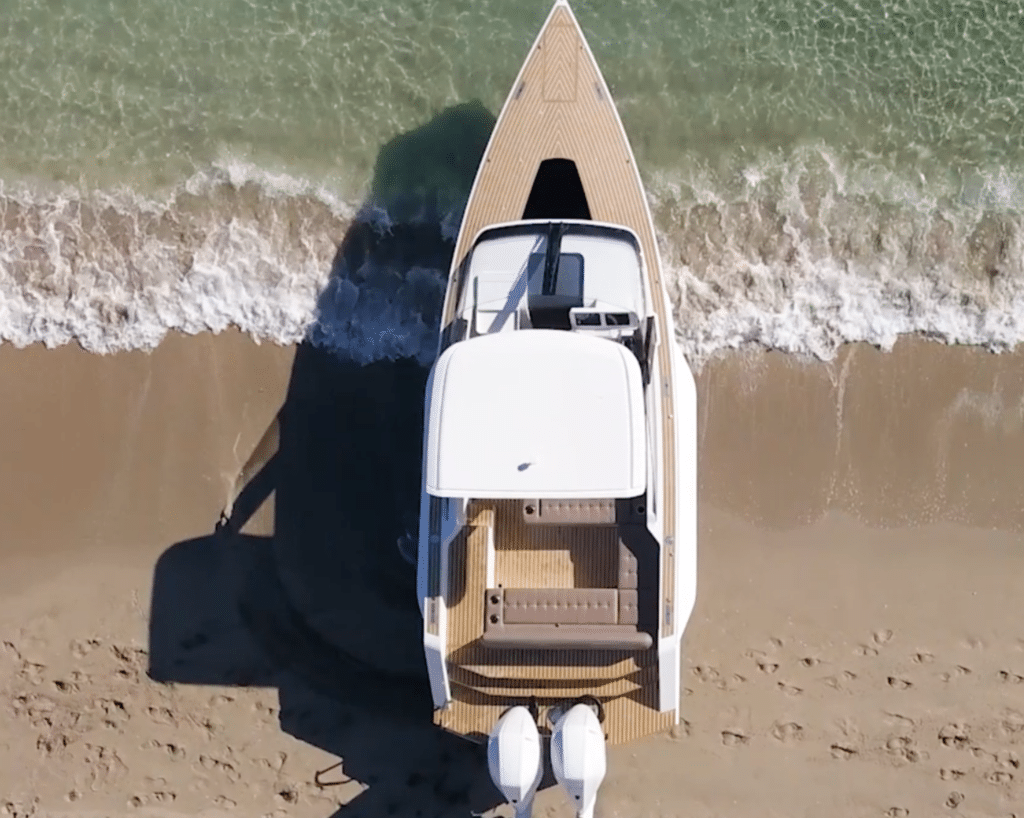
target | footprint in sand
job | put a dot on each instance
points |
(899, 720)
(276, 764)
(208, 724)
(57, 723)
(152, 798)
(948, 774)
(767, 667)
(734, 738)
(810, 661)
(10, 650)
(133, 661)
(287, 795)
(175, 751)
(16, 809)
(882, 637)
(66, 686)
(265, 709)
(842, 752)
(80, 648)
(955, 799)
(680, 731)
(105, 766)
(52, 744)
(788, 732)
(897, 812)
(999, 777)
(31, 672)
(903, 747)
(1012, 723)
(162, 715)
(955, 735)
(112, 711)
(923, 657)
(840, 681)
(897, 683)
(1008, 677)
(217, 765)
(958, 673)
(866, 650)
(706, 673)
(790, 690)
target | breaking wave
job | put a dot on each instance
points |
(806, 254)
(798, 252)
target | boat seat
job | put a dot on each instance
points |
(569, 512)
(583, 618)
(587, 511)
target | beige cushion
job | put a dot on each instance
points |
(569, 512)
(566, 637)
(569, 606)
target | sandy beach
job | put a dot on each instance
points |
(856, 650)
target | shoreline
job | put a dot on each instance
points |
(854, 641)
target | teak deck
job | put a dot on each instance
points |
(559, 107)
(486, 681)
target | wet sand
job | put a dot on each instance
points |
(856, 649)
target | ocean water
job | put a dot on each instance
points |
(820, 172)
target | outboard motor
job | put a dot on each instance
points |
(578, 757)
(514, 759)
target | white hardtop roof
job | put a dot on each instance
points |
(536, 413)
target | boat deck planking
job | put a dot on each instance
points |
(487, 681)
(541, 556)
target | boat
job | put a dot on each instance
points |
(556, 556)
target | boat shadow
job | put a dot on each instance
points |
(300, 585)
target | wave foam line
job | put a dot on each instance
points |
(805, 253)
(804, 258)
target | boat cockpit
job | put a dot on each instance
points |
(578, 276)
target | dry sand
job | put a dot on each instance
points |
(857, 647)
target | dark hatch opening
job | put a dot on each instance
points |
(557, 192)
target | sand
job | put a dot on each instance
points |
(856, 650)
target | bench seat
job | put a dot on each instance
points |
(583, 618)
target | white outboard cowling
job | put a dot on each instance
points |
(578, 757)
(514, 759)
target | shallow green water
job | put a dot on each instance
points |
(144, 91)
(818, 171)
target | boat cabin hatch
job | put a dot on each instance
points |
(557, 192)
(536, 414)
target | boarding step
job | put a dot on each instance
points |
(563, 665)
(543, 690)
